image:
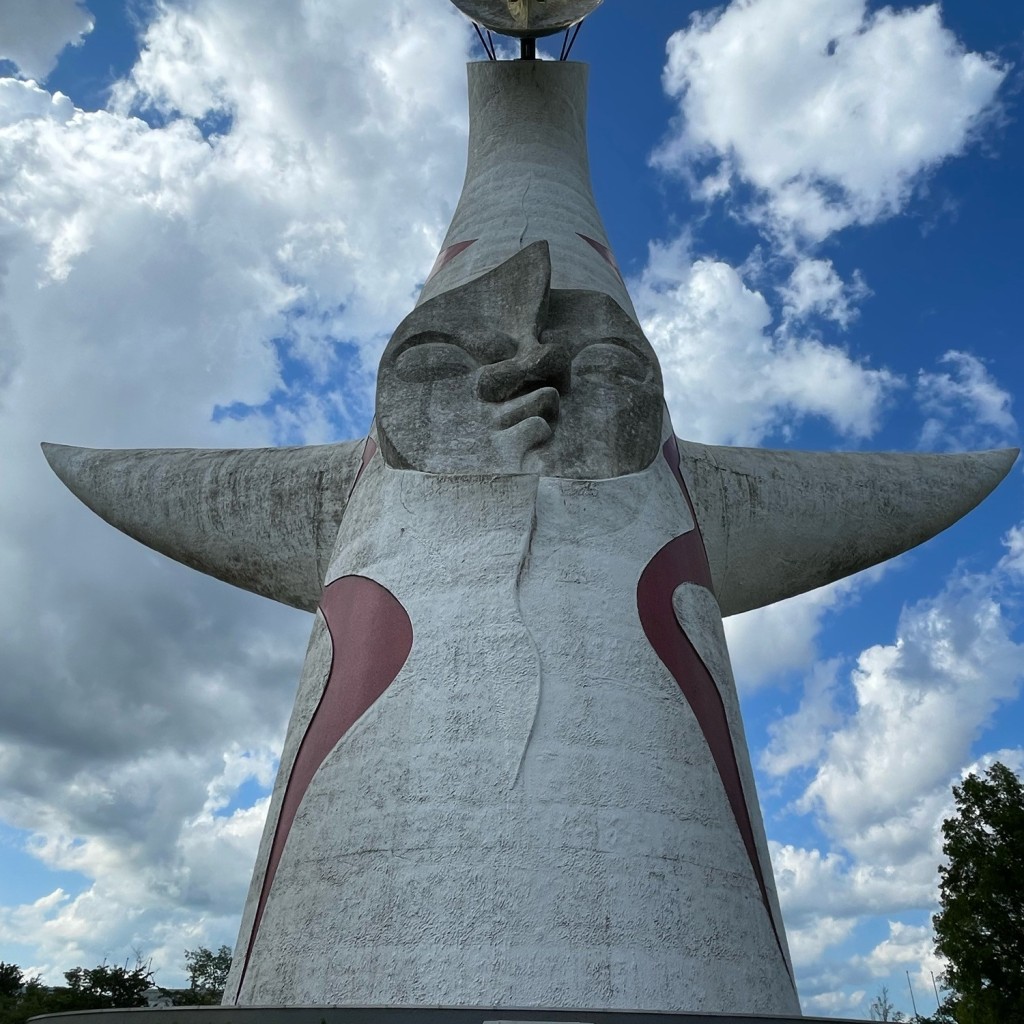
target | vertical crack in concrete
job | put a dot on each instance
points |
(526, 215)
(524, 565)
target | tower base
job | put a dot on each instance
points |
(407, 1015)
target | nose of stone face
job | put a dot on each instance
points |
(539, 366)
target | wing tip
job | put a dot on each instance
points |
(60, 458)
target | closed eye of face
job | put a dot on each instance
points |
(612, 360)
(433, 357)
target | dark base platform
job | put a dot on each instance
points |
(406, 1015)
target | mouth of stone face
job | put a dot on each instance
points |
(524, 443)
(542, 403)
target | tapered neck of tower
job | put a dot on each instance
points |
(528, 180)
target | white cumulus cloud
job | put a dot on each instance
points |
(731, 378)
(830, 112)
(33, 32)
(881, 759)
(921, 701)
(815, 288)
(964, 405)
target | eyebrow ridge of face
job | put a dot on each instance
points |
(629, 341)
(605, 325)
(610, 325)
(485, 349)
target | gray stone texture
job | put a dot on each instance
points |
(404, 1015)
(527, 18)
(528, 178)
(504, 375)
(775, 523)
(530, 812)
(263, 519)
(779, 523)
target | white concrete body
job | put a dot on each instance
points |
(530, 814)
(267, 520)
(528, 179)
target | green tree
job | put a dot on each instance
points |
(980, 928)
(105, 987)
(33, 998)
(98, 988)
(20, 997)
(882, 1008)
(11, 980)
(208, 973)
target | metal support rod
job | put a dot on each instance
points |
(489, 50)
(913, 1001)
(567, 49)
(527, 49)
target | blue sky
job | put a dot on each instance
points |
(213, 215)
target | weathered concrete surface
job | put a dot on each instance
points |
(532, 812)
(504, 375)
(527, 18)
(528, 180)
(779, 523)
(406, 1015)
(266, 520)
(515, 772)
(263, 519)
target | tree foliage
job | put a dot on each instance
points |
(882, 1008)
(980, 928)
(208, 973)
(96, 988)
(11, 980)
(106, 987)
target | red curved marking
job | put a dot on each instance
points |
(371, 637)
(603, 251)
(445, 256)
(684, 560)
(369, 450)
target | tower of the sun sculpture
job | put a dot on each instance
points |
(515, 774)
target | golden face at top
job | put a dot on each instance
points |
(527, 19)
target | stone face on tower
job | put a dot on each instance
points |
(545, 797)
(515, 773)
(507, 375)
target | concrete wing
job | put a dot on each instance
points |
(778, 523)
(263, 519)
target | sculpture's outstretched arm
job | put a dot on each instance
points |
(778, 523)
(263, 519)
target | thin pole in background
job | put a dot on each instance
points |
(913, 1001)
